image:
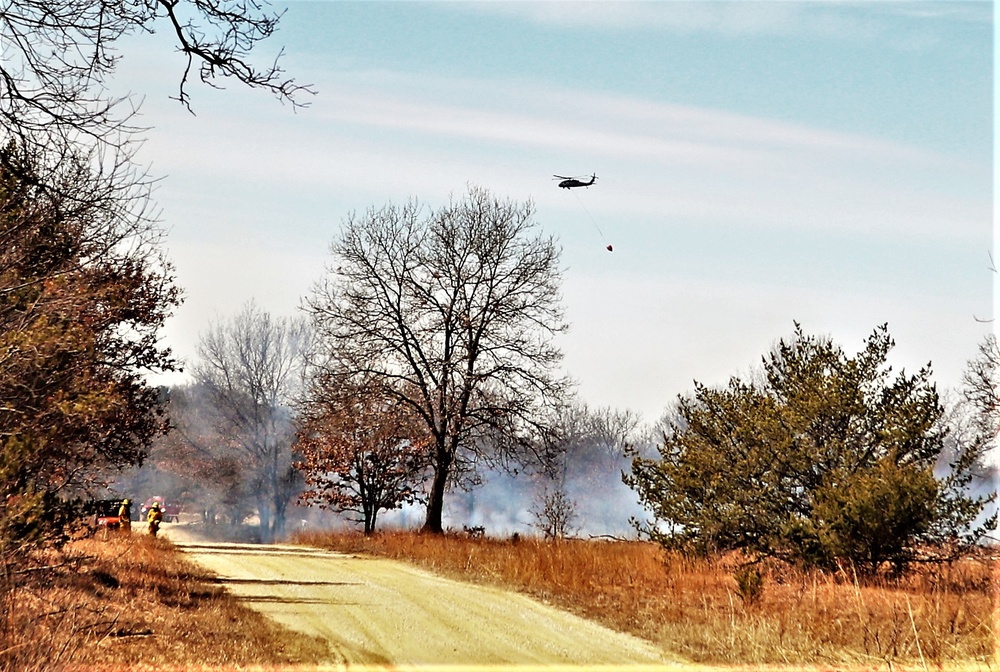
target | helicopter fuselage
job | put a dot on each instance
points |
(573, 182)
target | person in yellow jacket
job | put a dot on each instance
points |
(154, 518)
(125, 515)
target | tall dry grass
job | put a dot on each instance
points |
(935, 616)
(127, 601)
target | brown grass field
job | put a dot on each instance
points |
(128, 602)
(119, 601)
(936, 617)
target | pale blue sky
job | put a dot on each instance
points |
(758, 163)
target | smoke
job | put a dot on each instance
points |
(505, 504)
(968, 428)
(585, 479)
(201, 463)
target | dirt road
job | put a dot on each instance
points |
(374, 611)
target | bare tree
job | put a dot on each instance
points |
(252, 368)
(452, 312)
(555, 512)
(582, 487)
(974, 420)
(982, 384)
(362, 451)
(59, 54)
(600, 437)
(198, 461)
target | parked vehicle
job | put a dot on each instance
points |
(106, 513)
(171, 509)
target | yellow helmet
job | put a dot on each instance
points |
(155, 505)
(126, 501)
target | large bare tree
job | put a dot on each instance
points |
(251, 367)
(452, 311)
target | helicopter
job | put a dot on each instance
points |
(571, 182)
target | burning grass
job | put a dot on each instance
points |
(937, 615)
(120, 601)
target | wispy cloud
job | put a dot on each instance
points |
(383, 133)
(726, 226)
(768, 17)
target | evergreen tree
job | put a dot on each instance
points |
(826, 458)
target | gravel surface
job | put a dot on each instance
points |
(375, 611)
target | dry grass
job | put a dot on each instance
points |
(936, 616)
(129, 601)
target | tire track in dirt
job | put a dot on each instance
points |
(374, 611)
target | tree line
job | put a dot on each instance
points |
(431, 359)
(425, 357)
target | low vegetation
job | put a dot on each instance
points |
(119, 601)
(711, 611)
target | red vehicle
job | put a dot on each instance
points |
(106, 513)
(171, 509)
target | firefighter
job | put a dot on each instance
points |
(125, 515)
(155, 517)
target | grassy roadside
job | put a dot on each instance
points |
(120, 601)
(936, 617)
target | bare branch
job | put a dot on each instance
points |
(462, 305)
(252, 368)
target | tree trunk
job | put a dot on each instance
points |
(435, 505)
(278, 525)
(435, 502)
(264, 518)
(278, 516)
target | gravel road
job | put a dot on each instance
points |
(374, 611)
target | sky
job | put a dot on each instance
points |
(758, 164)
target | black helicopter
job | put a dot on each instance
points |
(571, 182)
